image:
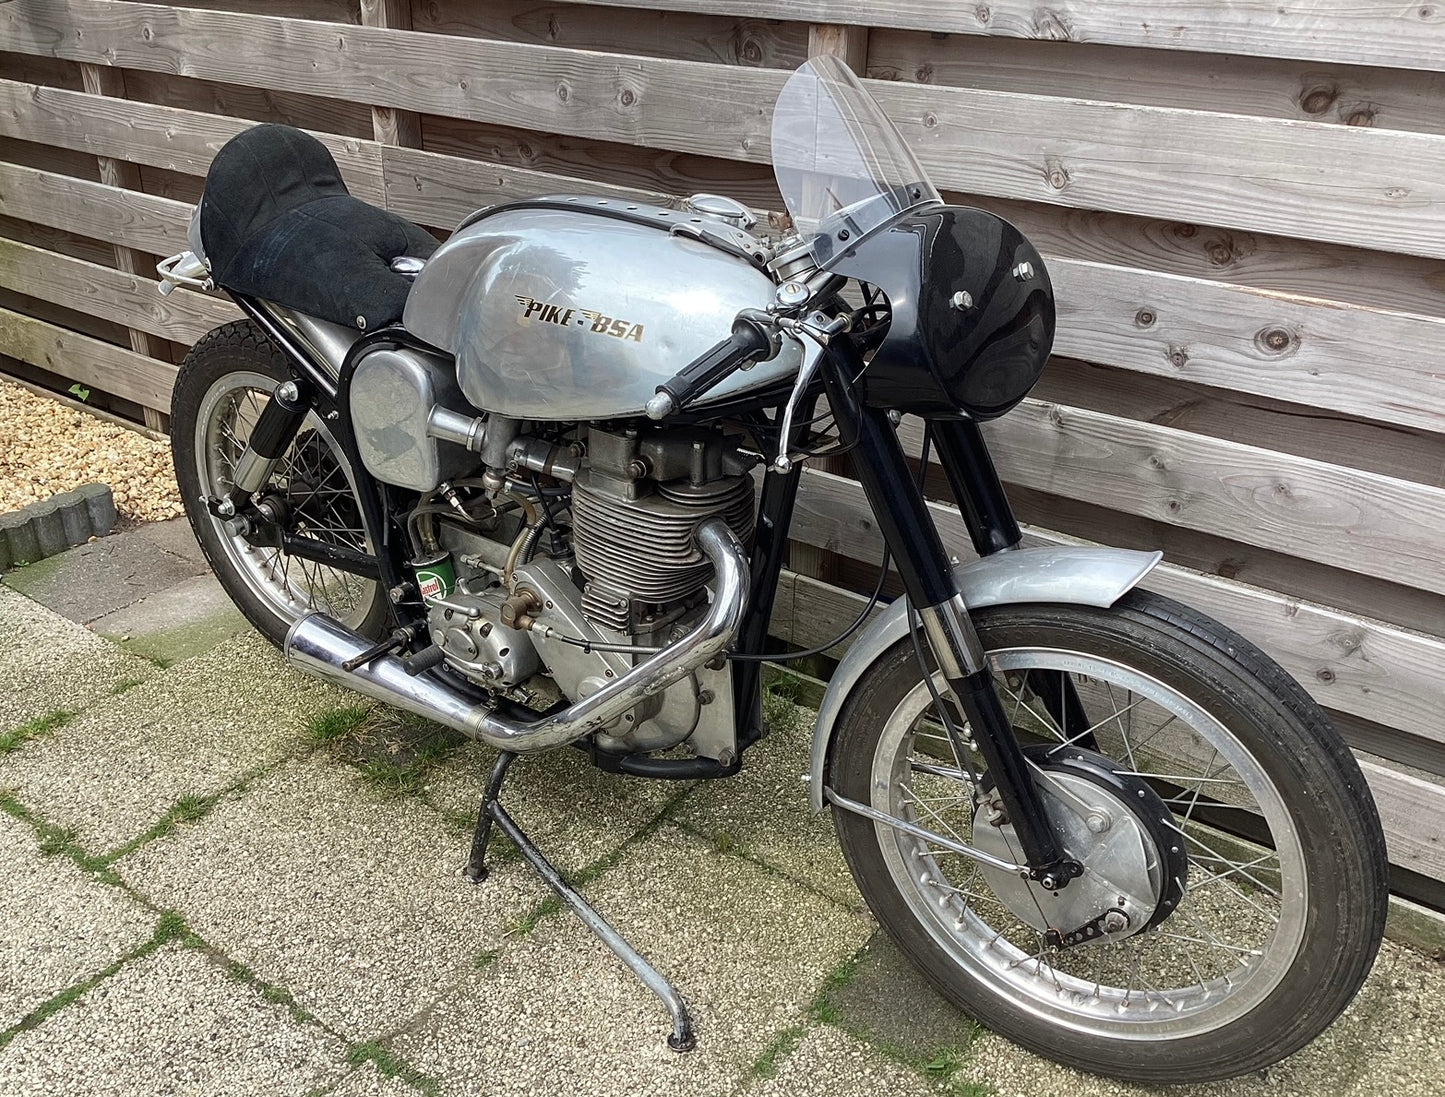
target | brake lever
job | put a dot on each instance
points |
(814, 332)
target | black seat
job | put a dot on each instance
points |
(277, 222)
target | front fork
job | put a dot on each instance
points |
(924, 566)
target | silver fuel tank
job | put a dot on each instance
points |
(562, 309)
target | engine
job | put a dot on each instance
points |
(556, 573)
(634, 509)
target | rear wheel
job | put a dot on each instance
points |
(220, 390)
(1259, 848)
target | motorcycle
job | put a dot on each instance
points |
(535, 484)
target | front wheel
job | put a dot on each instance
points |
(1194, 772)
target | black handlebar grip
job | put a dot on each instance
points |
(749, 340)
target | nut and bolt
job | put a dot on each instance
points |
(1116, 921)
(1098, 822)
(1023, 272)
(962, 300)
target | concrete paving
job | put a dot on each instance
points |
(210, 892)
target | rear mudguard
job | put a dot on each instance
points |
(1079, 576)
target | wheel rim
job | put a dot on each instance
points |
(316, 483)
(1234, 935)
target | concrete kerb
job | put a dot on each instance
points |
(51, 526)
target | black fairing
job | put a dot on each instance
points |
(938, 359)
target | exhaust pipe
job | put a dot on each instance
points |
(318, 645)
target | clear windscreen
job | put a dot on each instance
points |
(843, 169)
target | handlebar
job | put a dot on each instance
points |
(753, 338)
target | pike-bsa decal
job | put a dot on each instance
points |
(586, 319)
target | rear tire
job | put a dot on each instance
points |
(1277, 929)
(220, 390)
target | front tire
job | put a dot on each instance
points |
(1285, 898)
(219, 392)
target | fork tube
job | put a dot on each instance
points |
(923, 565)
(976, 487)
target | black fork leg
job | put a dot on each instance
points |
(992, 527)
(923, 565)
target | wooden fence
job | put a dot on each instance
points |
(1242, 205)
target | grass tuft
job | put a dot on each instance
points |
(390, 1064)
(125, 685)
(34, 729)
(486, 958)
(335, 723)
(782, 1045)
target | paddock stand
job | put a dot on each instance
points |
(492, 811)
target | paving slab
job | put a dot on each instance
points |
(764, 810)
(572, 810)
(889, 1003)
(367, 1081)
(173, 537)
(176, 623)
(172, 1022)
(828, 1061)
(1391, 1040)
(556, 1012)
(92, 580)
(354, 904)
(54, 664)
(61, 926)
(112, 773)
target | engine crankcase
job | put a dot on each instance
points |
(660, 721)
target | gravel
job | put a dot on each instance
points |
(50, 448)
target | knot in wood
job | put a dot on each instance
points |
(1145, 318)
(1325, 674)
(1361, 116)
(1318, 99)
(1058, 175)
(924, 73)
(564, 92)
(628, 97)
(1186, 231)
(930, 120)
(1219, 253)
(1275, 341)
(1178, 357)
(982, 13)
(750, 51)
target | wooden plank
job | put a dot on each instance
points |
(683, 36)
(143, 221)
(1406, 453)
(1345, 184)
(125, 298)
(1356, 520)
(1351, 664)
(1366, 362)
(91, 362)
(308, 112)
(52, 239)
(40, 70)
(604, 163)
(144, 133)
(1305, 268)
(390, 126)
(1412, 811)
(1274, 88)
(437, 190)
(1367, 32)
(1350, 593)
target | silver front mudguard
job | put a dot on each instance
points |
(1077, 576)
